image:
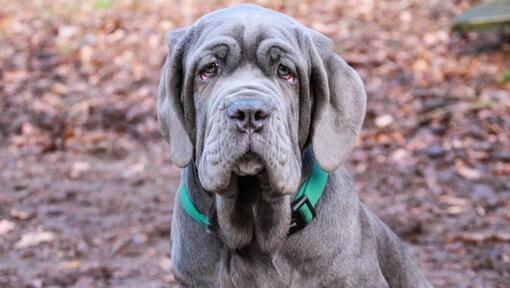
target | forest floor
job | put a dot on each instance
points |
(87, 186)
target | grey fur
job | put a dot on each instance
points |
(316, 117)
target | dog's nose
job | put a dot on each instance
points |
(249, 115)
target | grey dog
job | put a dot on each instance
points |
(250, 100)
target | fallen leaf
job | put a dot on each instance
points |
(21, 215)
(383, 120)
(133, 170)
(453, 201)
(6, 226)
(34, 238)
(468, 173)
(481, 237)
(454, 210)
(165, 263)
(69, 265)
(79, 168)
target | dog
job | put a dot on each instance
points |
(261, 114)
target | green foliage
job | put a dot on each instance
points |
(506, 76)
(103, 4)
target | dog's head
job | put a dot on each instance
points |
(246, 90)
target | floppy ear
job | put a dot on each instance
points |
(170, 109)
(339, 104)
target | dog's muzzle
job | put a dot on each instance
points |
(249, 114)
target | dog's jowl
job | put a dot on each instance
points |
(261, 114)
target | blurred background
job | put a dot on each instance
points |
(87, 187)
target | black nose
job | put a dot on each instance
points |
(249, 115)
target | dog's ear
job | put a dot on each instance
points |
(170, 108)
(339, 104)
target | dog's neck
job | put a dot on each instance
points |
(248, 207)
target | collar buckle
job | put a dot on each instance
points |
(303, 213)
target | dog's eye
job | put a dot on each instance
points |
(209, 71)
(285, 73)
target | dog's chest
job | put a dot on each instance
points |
(235, 270)
(280, 271)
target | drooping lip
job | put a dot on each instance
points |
(250, 154)
(249, 164)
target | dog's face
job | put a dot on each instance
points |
(247, 119)
(246, 95)
(245, 90)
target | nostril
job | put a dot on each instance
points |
(235, 113)
(261, 115)
(240, 115)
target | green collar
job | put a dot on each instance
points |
(303, 206)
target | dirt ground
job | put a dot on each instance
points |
(87, 186)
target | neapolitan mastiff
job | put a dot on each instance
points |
(261, 114)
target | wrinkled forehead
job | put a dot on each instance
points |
(249, 32)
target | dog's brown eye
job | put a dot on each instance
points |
(208, 71)
(285, 73)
